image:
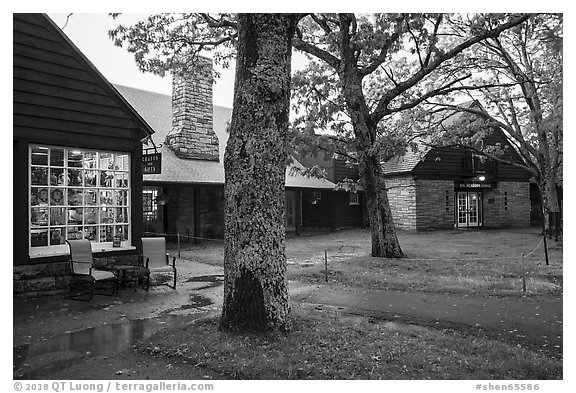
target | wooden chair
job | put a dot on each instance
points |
(156, 259)
(82, 265)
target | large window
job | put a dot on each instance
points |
(150, 203)
(78, 194)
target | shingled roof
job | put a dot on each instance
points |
(407, 162)
(156, 108)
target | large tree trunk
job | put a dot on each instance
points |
(384, 240)
(255, 287)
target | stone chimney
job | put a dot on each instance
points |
(192, 135)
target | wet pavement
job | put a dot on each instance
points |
(51, 334)
(54, 333)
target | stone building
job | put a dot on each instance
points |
(446, 187)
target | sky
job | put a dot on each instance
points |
(89, 32)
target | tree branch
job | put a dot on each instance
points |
(382, 107)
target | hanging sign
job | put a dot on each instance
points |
(463, 184)
(152, 163)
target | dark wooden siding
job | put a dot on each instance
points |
(317, 215)
(344, 171)
(58, 97)
(452, 163)
(348, 215)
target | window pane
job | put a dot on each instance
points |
(56, 157)
(122, 231)
(106, 161)
(39, 237)
(106, 198)
(90, 197)
(39, 176)
(39, 216)
(74, 159)
(75, 196)
(121, 180)
(91, 215)
(106, 233)
(38, 196)
(56, 196)
(90, 233)
(74, 215)
(56, 177)
(121, 215)
(106, 215)
(89, 160)
(121, 198)
(75, 232)
(74, 177)
(107, 178)
(57, 216)
(57, 236)
(90, 178)
(39, 156)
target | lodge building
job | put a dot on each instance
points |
(448, 187)
(77, 158)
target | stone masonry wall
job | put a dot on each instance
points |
(42, 279)
(434, 204)
(48, 279)
(192, 135)
(402, 198)
(507, 205)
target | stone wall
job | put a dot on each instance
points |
(43, 279)
(507, 205)
(47, 279)
(402, 198)
(434, 204)
(192, 135)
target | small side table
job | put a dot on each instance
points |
(120, 271)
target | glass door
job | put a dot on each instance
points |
(468, 205)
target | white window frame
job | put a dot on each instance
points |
(111, 192)
(354, 200)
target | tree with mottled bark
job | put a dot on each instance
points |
(370, 68)
(255, 286)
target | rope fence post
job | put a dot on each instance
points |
(546, 250)
(326, 264)
(523, 274)
(178, 244)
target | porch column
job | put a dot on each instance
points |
(298, 212)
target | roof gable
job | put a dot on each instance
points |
(51, 73)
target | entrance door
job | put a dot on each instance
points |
(468, 205)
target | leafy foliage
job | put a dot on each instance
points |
(164, 43)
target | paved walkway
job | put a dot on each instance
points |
(528, 321)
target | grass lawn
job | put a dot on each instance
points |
(476, 262)
(334, 345)
(328, 345)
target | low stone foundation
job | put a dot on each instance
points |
(47, 279)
